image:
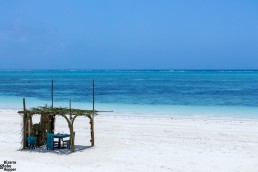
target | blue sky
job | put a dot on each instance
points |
(133, 34)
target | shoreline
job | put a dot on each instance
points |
(159, 114)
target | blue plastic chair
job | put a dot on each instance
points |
(31, 142)
(50, 141)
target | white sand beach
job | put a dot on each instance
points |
(138, 143)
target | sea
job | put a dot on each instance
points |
(136, 92)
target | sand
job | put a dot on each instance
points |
(138, 143)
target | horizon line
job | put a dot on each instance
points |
(128, 69)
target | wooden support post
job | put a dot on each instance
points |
(71, 137)
(93, 111)
(24, 141)
(29, 124)
(92, 131)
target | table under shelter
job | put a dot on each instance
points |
(47, 123)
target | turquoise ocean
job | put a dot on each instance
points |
(145, 92)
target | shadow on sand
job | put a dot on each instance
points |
(62, 151)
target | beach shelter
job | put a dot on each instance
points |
(47, 121)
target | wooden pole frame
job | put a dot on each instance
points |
(27, 119)
(24, 142)
(70, 106)
(52, 93)
(52, 105)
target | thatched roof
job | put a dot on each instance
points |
(44, 110)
